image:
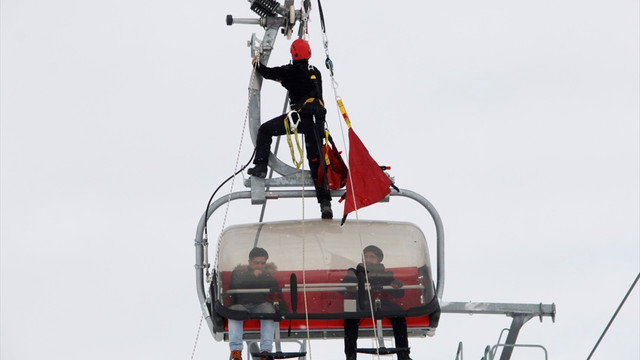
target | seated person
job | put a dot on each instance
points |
(256, 275)
(378, 277)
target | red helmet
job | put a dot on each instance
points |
(300, 50)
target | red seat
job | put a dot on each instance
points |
(327, 302)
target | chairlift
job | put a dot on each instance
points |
(315, 260)
(317, 255)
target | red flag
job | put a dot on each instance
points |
(367, 183)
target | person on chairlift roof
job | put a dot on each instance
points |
(304, 83)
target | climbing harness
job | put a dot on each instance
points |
(311, 100)
(289, 126)
(327, 160)
(343, 111)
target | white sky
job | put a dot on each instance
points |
(518, 120)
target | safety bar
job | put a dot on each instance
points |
(489, 353)
(318, 288)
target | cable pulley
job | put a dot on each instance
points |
(265, 7)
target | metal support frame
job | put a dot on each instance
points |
(253, 346)
(489, 353)
(521, 313)
(264, 48)
(516, 324)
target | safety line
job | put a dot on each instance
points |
(193, 352)
(340, 105)
(244, 126)
(614, 316)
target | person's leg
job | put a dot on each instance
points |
(236, 329)
(399, 325)
(351, 338)
(314, 132)
(235, 334)
(267, 327)
(273, 127)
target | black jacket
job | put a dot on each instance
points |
(378, 276)
(242, 277)
(301, 79)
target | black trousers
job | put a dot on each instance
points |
(399, 325)
(313, 133)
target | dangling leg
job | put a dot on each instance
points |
(399, 325)
(235, 339)
(273, 127)
(313, 141)
(351, 338)
(235, 334)
(267, 327)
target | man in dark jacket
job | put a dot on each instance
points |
(378, 277)
(304, 83)
(258, 274)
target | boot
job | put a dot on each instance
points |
(259, 170)
(404, 355)
(266, 357)
(236, 355)
(351, 357)
(325, 209)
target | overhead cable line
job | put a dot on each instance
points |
(614, 316)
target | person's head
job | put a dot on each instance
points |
(258, 258)
(372, 254)
(300, 50)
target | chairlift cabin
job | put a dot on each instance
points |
(316, 289)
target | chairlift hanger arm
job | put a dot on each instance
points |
(508, 309)
(273, 17)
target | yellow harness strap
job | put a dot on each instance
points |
(326, 154)
(310, 100)
(287, 127)
(343, 111)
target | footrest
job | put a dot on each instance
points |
(257, 190)
(280, 354)
(382, 350)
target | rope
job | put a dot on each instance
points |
(614, 315)
(193, 352)
(275, 153)
(327, 161)
(342, 111)
(232, 178)
(304, 266)
(244, 126)
(306, 4)
(288, 120)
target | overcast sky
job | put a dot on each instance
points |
(518, 120)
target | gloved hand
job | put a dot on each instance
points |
(275, 295)
(396, 284)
